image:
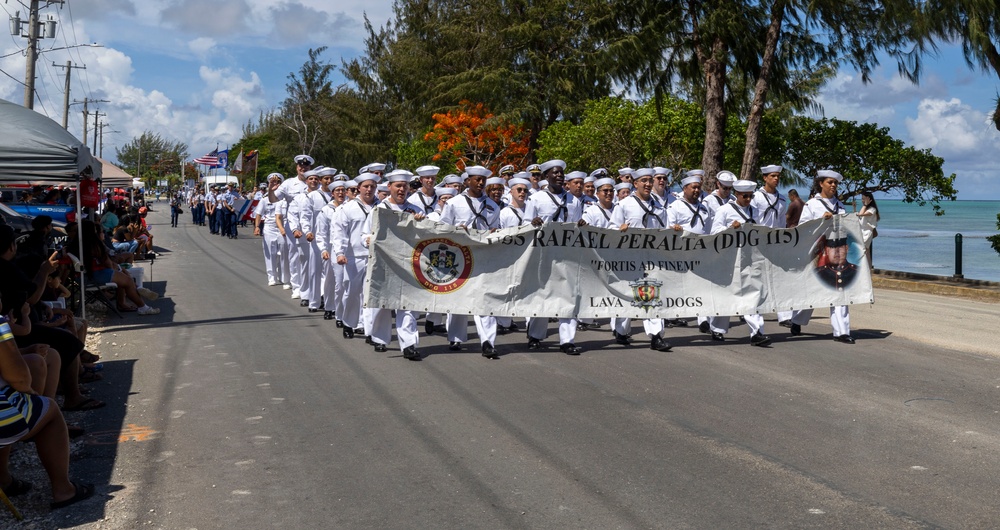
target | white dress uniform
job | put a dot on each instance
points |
(349, 241)
(300, 218)
(721, 221)
(510, 216)
(480, 213)
(771, 210)
(840, 317)
(639, 214)
(273, 242)
(381, 318)
(287, 191)
(562, 207)
(312, 266)
(694, 218)
(714, 201)
(423, 203)
(333, 272)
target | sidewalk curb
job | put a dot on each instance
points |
(978, 290)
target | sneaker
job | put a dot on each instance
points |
(148, 310)
(272, 283)
(296, 295)
(286, 287)
(147, 294)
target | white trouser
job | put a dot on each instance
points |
(652, 326)
(273, 243)
(354, 280)
(305, 272)
(755, 323)
(538, 328)
(333, 286)
(294, 263)
(840, 319)
(458, 328)
(406, 327)
(312, 275)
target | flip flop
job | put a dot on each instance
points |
(17, 487)
(83, 492)
(87, 404)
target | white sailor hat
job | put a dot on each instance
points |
(690, 179)
(362, 169)
(605, 181)
(767, 170)
(428, 171)
(262, 185)
(726, 178)
(574, 175)
(543, 184)
(399, 175)
(340, 176)
(376, 166)
(642, 172)
(326, 172)
(310, 173)
(508, 170)
(660, 170)
(698, 172)
(279, 176)
(515, 180)
(533, 168)
(477, 171)
(625, 171)
(551, 164)
(382, 188)
(452, 179)
(366, 176)
(304, 158)
(496, 180)
(522, 175)
(622, 186)
(599, 173)
(447, 191)
(744, 186)
(829, 173)
(338, 184)
(589, 179)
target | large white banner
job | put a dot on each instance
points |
(564, 270)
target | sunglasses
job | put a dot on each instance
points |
(606, 190)
(519, 190)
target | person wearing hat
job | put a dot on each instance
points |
(768, 201)
(640, 210)
(690, 214)
(473, 210)
(220, 210)
(286, 191)
(554, 204)
(197, 204)
(351, 251)
(825, 204)
(495, 189)
(425, 199)
(300, 215)
(535, 177)
(512, 215)
(622, 190)
(312, 261)
(735, 215)
(268, 224)
(381, 318)
(382, 191)
(378, 169)
(229, 211)
(661, 191)
(332, 272)
(589, 191)
(599, 212)
(723, 192)
(210, 201)
(625, 175)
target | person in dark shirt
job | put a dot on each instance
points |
(37, 242)
(795, 205)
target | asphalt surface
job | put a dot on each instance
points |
(236, 408)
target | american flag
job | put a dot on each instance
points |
(211, 159)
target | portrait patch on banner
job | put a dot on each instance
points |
(441, 265)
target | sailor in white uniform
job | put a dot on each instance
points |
(510, 216)
(689, 213)
(332, 272)
(286, 191)
(641, 210)
(312, 271)
(736, 215)
(825, 205)
(351, 252)
(398, 183)
(661, 192)
(268, 215)
(723, 193)
(554, 204)
(425, 199)
(772, 208)
(300, 217)
(474, 211)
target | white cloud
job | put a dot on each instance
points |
(221, 17)
(963, 136)
(202, 46)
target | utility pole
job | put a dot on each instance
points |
(31, 54)
(85, 114)
(97, 117)
(69, 68)
(101, 148)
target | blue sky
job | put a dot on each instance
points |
(196, 72)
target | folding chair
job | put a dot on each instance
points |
(95, 293)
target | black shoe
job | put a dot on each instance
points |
(679, 322)
(327, 315)
(454, 346)
(340, 323)
(534, 344)
(512, 327)
(785, 323)
(796, 329)
(304, 303)
(760, 339)
(658, 344)
(846, 339)
(368, 340)
(314, 310)
(582, 327)
(489, 351)
(718, 336)
(411, 353)
(428, 328)
(358, 331)
(440, 328)
(348, 332)
(624, 340)
(570, 349)
(703, 327)
(380, 348)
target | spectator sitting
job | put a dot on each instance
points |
(37, 242)
(103, 270)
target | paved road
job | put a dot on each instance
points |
(265, 417)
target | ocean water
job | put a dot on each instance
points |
(912, 239)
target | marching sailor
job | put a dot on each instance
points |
(300, 213)
(735, 215)
(425, 199)
(268, 214)
(286, 191)
(690, 214)
(333, 273)
(349, 246)
(640, 210)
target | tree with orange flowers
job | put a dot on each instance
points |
(472, 135)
